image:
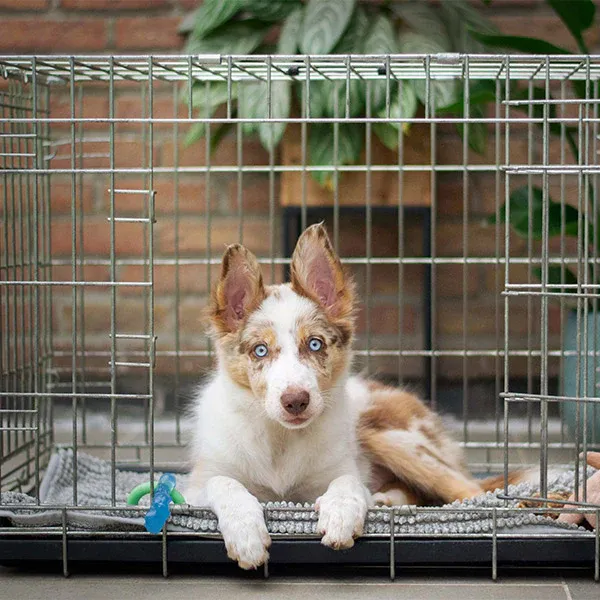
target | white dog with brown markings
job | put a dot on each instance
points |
(282, 419)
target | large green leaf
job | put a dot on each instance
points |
(481, 91)
(320, 146)
(208, 96)
(417, 43)
(270, 10)
(422, 19)
(442, 91)
(460, 17)
(477, 132)
(290, 33)
(520, 209)
(402, 107)
(577, 16)
(526, 45)
(324, 23)
(323, 93)
(214, 13)
(381, 39)
(241, 37)
(558, 275)
(253, 104)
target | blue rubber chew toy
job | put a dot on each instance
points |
(160, 509)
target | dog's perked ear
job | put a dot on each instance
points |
(317, 273)
(240, 289)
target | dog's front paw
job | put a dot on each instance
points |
(341, 519)
(246, 540)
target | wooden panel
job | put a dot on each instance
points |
(352, 186)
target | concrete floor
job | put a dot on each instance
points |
(347, 586)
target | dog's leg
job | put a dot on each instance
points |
(241, 519)
(342, 511)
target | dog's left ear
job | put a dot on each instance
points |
(317, 273)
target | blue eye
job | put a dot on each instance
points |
(315, 344)
(261, 350)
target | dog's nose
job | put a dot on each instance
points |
(295, 400)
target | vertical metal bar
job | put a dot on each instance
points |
(595, 241)
(36, 269)
(465, 234)
(496, 267)
(368, 223)
(207, 194)
(304, 140)
(65, 556)
(336, 172)
(544, 297)
(150, 274)
(562, 253)
(400, 341)
(495, 544)
(113, 288)
(164, 554)
(506, 265)
(530, 161)
(393, 544)
(580, 268)
(271, 170)
(430, 113)
(586, 271)
(82, 340)
(177, 311)
(597, 548)
(74, 305)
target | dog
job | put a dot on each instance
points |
(283, 418)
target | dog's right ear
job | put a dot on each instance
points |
(240, 289)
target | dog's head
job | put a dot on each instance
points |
(289, 344)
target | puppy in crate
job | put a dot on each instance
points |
(282, 418)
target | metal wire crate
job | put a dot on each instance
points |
(112, 230)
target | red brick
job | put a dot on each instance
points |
(191, 199)
(384, 280)
(114, 4)
(384, 319)
(23, 4)
(225, 155)
(255, 194)
(481, 240)
(147, 33)
(131, 317)
(90, 273)
(94, 106)
(193, 279)
(128, 153)
(61, 194)
(224, 231)
(449, 281)
(130, 106)
(192, 317)
(36, 35)
(129, 238)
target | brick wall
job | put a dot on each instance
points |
(130, 26)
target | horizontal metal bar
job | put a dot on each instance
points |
(80, 283)
(117, 396)
(514, 397)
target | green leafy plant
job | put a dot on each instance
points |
(332, 27)
(525, 205)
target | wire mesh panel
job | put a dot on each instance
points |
(461, 191)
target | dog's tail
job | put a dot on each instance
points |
(496, 482)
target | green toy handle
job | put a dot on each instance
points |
(139, 491)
